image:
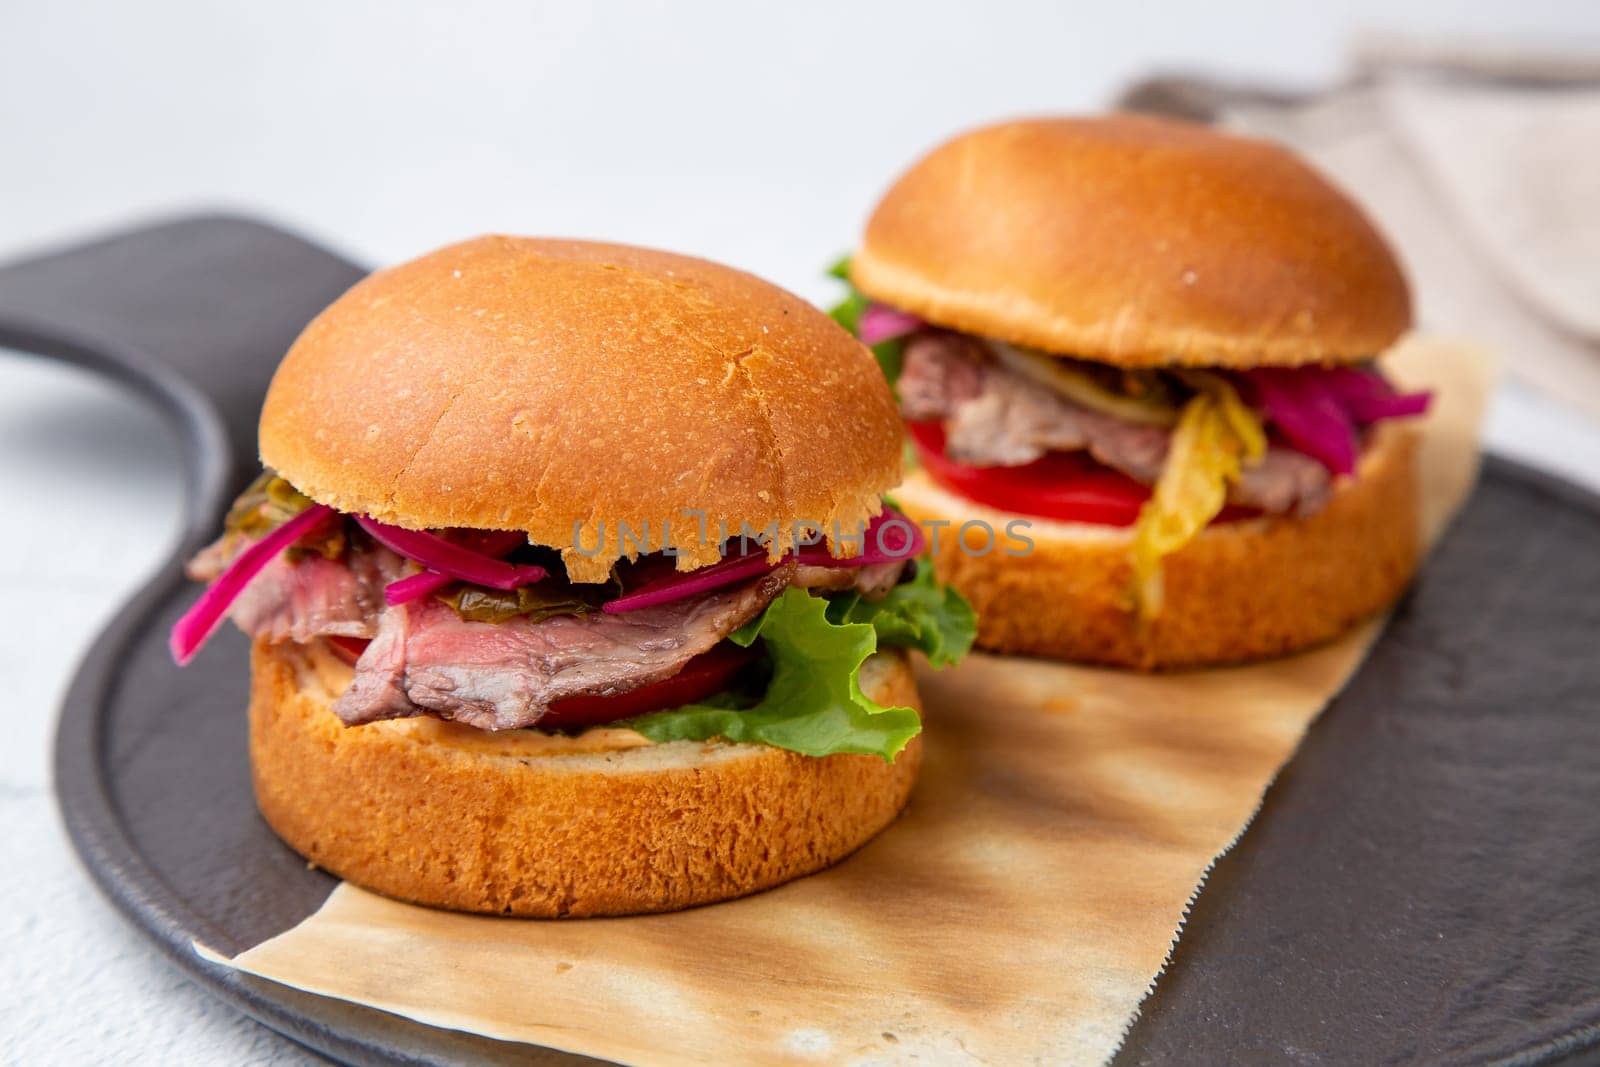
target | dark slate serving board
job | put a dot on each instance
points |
(1422, 885)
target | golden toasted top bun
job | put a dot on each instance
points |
(1137, 241)
(555, 386)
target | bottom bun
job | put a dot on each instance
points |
(525, 823)
(1240, 591)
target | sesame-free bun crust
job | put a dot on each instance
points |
(1240, 591)
(1136, 241)
(411, 814)
(526, 384)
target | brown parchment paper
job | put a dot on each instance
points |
(1017, 913)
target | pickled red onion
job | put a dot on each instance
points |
(494, 543)
(734, 569)
(191, 631)
(415, 587)
(1308, 414)
(676, 586)
(1318, 408)
(455, 561)
(1368, 398)
(879, 323)
(873, 550)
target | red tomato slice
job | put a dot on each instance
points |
(348, 649)
(1060, 485)
(706, 675)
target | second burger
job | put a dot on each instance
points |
(1156, 345)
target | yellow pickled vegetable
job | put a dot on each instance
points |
(1081, 387)
(1216, 437)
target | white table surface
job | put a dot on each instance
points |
(755, 137)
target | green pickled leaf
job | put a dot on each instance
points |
(1139, 396)
(269, 502)
(328, 541)
(539, 601)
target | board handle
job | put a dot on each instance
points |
(192, 312)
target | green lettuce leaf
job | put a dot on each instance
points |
(813, 704)
(920, 614)
(847, 313)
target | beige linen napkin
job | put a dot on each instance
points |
(1019, 911)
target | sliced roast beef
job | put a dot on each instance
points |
(939, 372)
(873, 581)
(995, 417)
(1284, 482)
(308, 597)
(209, 563)
(1011, 422)
(425, 659)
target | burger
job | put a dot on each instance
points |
(570, 586)
(1138, 362)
